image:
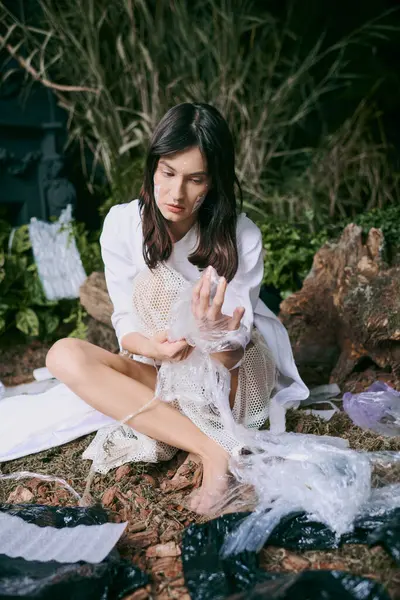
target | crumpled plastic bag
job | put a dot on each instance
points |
(377, 409)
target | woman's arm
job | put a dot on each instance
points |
(244, 289)
(119, 268)
(234, 303)
(120, 271)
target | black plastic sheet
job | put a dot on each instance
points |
(111, 579)
(315, 585)
(208, 576)
(297, 532)
(57, 516)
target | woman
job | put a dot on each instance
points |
(184, 221)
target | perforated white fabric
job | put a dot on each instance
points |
(154, 294)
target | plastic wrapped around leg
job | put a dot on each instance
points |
(376, 409)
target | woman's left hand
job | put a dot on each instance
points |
(211, 314)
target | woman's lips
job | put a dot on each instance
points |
(175, 209)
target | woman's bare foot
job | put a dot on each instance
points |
(214, 484)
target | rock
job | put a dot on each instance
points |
(122, 471)
(20, 495)
(94, 298)
(162, 550)
(101, 335)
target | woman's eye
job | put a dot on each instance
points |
(168, 174)
(198, 181)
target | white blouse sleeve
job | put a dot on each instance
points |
(244, 289)
(120, 268)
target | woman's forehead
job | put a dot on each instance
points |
(186, 161)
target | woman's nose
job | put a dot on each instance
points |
(177, 189)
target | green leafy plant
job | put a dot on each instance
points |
(290, 248)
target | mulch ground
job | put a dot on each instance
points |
(152, 497)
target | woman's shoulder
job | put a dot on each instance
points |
(122, 212)
(122, 217)
(248, 233)
(121, 225)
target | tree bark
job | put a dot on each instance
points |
(347, 311)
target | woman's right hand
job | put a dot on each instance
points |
(162, 349)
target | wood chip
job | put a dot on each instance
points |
(169, 566)
(109, 496)
(20, 495)
(122, 472)
(148, 479)
(141, 539)
(162, 550)
(336, 565)
(294, 562)
(137, 526)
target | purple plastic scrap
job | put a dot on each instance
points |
(377, 409)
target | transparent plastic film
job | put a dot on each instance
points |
(209, 334)
(377, 409)
(28, 474)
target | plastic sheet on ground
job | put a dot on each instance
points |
(315, 585)
(210, 576)
(376, 409)
(32, 422)
(110, 579)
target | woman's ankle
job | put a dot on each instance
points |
(212, 452)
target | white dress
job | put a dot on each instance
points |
(142, 300)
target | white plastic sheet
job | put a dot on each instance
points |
(57, 258)
(89, 543)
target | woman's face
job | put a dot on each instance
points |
(181, 183)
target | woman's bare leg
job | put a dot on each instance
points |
(117, 387)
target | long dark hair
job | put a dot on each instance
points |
(185, 126)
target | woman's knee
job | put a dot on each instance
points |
(66, 358)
